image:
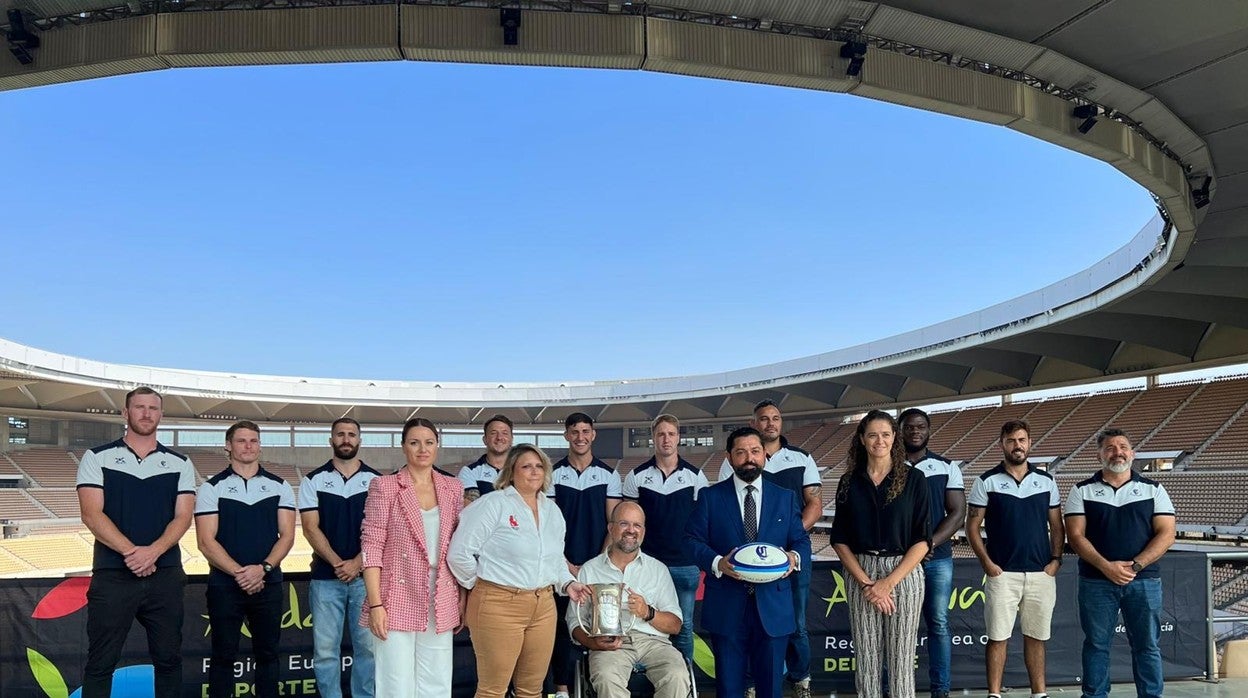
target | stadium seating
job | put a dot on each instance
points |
(62, 502)
(1139, 419)
(16, 505)
(48, 467)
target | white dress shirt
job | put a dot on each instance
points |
(740, 486)
(497, 540)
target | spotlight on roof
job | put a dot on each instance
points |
(509, 19)
(1200, 197)
(856, 53)
(1088, 113)
(21, 41)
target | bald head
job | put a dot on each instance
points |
(628, 527)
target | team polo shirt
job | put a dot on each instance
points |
(246, 511)
(140, 496)
(339, 504)
(942, 475)
(582, 497)
(479, 475)
(1017, 516)
(789, 467)
(668, 502)
(1119, 521)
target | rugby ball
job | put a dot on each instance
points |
(759, 563)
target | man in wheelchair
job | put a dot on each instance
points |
(648, 614)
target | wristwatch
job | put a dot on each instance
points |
(1057, 559)
(266, 567)
(1136, 566)
(650, 613)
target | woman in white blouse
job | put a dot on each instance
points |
(508, 550)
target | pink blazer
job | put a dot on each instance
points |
(393, 539)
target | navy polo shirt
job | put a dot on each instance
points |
(140, 496)
(790, 467)
(582, 498)
(942, 475)
(1017, 517)
(246, 511)
(1119, 521)
(667, 501)
(479, 475)
(339, 504)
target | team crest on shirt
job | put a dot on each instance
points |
(1098, 492)
(514, 524)
(233, 489)
(119, 460)
(649, 480)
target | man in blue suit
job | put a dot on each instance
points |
(747, 622)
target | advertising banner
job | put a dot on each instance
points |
(43, 637)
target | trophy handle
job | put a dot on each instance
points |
(580, 620)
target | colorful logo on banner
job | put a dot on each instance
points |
(67, 598)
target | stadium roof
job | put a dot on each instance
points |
(1167, 85)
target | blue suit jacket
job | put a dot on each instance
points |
(715, 528)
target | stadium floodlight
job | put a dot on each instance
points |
(1200, 197)
(509, 19)
(856, 52)
(21, 41)
(1088, 113)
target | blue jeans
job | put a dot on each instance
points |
(939, 577)
(1140, 603)
(797, 653)
(333, 602)
(685, 579)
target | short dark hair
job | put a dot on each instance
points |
(741, 433)
(240, 424)
(497, 418)
(143, 390)
(1015, 425)
(577, 418)
(420, 422)
(344, 420)
(765, 403)
(1110, 433)
(911, 412)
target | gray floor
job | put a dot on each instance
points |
(1225, 688)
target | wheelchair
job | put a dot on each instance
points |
(638, 684)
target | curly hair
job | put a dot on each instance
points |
(858, 457)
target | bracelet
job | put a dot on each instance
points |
(376, 605)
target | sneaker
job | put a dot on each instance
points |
(801, 689)
(561, 694)
(749, 692)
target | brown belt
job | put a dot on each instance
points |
(540, 591)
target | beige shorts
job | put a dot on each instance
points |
(1010, 594)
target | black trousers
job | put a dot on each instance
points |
(228, 607)
(115, 599)
(563, 661)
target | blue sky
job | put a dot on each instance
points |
(456, 222)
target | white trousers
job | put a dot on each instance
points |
(414, 664)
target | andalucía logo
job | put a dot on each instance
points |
(67, 598)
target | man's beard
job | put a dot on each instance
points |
(915, 449)
(627, 545)
(1119, 468)
(748, 474)
(1009, 458)
(346, 451)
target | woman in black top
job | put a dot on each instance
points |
(881, 533)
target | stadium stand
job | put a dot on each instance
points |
(61, 502)
(48, 467)
(1139, 419)
(1208, 409)
(984, 437)
(8, 467)
(62, 551)
(1087, 416)
(17, 505)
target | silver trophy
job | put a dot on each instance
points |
(606, 613)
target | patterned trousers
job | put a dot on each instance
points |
(881, 640)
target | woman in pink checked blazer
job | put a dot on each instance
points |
(413, 605)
